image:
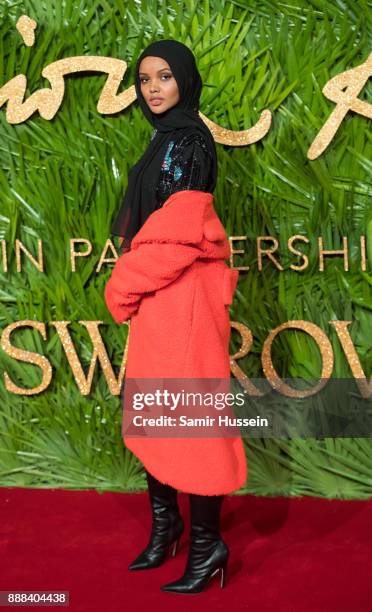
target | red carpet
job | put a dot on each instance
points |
(302, 554)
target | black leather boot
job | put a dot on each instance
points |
(208, 553)
(167, 525)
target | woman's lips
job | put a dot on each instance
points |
(156, 101)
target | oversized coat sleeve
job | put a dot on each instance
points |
(142, 270)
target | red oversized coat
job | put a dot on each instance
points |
(175, 287)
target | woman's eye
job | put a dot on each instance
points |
(144, 79)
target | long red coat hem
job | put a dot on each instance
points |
(176, 288)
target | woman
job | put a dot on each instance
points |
(173, 283)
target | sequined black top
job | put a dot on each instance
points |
(186, 165)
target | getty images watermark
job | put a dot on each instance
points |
(215, 407)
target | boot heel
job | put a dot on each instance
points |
(223, 570)
(175, 546)
(223, 575)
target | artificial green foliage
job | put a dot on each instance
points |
(65, 178)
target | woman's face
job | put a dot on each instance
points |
(158, 82)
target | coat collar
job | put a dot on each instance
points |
(186, 217)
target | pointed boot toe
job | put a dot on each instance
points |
(139, 563)
(179, 586)
(155, 555)
(143, 561)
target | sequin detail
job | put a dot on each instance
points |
(186, 165)
(167, 159)
(177, 173)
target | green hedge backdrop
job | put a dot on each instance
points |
(65, 177)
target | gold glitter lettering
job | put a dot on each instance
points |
(325, 348)
(247, 341)
(20, 247)
(293, 250)
(352, 357)
(353, 82)
(74, 254)
(268, 252)
(26, 356)
(323, 252)
(99, 353)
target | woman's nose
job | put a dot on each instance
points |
(154, 87)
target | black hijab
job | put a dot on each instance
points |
(140, 197)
